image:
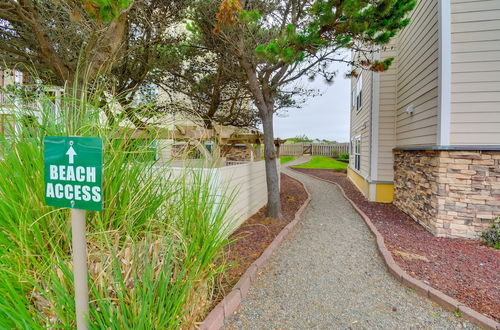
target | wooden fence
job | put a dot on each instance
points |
(315, 149)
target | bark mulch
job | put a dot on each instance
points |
(466, 270)
(257, 232)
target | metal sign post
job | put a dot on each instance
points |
(73, 179)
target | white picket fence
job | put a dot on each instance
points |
(315, 149)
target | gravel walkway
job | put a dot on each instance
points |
(328, 275)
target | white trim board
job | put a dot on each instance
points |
(444, 72)
(373, 192)
(375, 123)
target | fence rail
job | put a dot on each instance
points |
(315, 149)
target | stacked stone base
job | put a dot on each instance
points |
(451, 193)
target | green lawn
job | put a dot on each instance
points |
(323, 162)
(286, 159)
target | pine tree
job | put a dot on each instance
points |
(277, 42)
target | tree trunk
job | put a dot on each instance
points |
(272, 175)
(264, 101)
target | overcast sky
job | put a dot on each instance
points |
(323, 117)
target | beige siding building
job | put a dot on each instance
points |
(475, 72)
(426, 133)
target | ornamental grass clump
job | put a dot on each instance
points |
(153, 252)
(491, 236)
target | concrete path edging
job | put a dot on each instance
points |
(420, 287)
(231, 302)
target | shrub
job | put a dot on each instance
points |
(153, 252)
(344, 156)
(491, 236)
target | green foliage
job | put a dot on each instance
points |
(106, 10)
(491, 236)
(298, 139)
(339, 24)
(323, 162)
(380, 66)
(285, 48)
(250, 16)
(153, 251)
(344, 156)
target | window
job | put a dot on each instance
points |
(359, 92)
(357, 153)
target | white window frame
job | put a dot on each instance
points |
(359, 92)
(357, 153)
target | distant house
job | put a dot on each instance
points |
(7, 77)
(13, 105)
(426, 133)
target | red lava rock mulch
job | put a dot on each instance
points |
(257, 232)
(466, 270)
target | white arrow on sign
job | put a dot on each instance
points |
(71, 154)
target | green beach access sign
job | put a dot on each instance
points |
(73, 172)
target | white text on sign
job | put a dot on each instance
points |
(72, 191)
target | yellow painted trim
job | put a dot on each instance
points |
(384, 193)
(358, 181)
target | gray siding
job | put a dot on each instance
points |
(475, 81)
(360, 123)
(417, 74)
(387, 106)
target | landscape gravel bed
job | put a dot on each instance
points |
(257, 232)
(328, 275)
(466, 270)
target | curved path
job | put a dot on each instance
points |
(328, 275)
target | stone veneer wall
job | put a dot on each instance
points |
(451, 193)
